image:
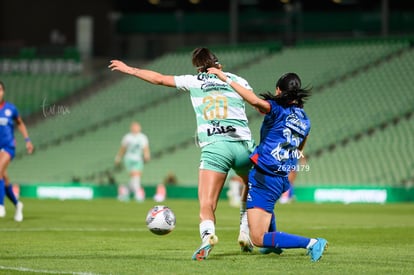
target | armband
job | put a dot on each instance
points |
(27, 139)
(228, 80)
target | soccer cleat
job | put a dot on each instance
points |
(317, 249)
(123, 193)
(245, 242)
(2, 211)
(140, 195)
(18, 215)
(160, 194)
(205, 248)
(268, 250)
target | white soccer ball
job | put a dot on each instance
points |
(160, 220)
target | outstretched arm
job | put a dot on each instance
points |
(147, 153)
(260, 104)
(23, 130)
(120, 155)
(146, 75)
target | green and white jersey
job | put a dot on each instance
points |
(220, 111)
(134, 144)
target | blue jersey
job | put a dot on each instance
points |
(8, 115)
(282, 131)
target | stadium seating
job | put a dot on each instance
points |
(106, 116)
(357, 87)
(125, 98)
(365, 101)
(31, 91)
(383, 158)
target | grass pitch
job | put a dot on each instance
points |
(109, 237)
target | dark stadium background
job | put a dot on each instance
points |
(29, 23)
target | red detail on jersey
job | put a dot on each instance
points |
(254, 158)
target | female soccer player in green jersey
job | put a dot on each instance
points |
(223, 135)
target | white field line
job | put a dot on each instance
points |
(68, 229)
(189, 229)
(43, 271)
(101, 229)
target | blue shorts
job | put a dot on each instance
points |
(265, 190)
(10, 150)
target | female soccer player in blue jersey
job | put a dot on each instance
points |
(9, 116)
(282, 138)
(223, 135)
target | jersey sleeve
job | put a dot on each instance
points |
(15, 112)
(145, 141)
(185, 82)
(274, 107)
(124, 141)
(243, 82)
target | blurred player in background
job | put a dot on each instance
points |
(235, 190)
(223, 135)
(283, 135)
(134, 151)
(12, 196)
(9, 117)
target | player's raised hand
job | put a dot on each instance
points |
(117, 65)
(217, 72)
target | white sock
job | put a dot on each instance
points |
(234, 187)
(244, 225)
(311, 242)
(135, 185)
(207, 227)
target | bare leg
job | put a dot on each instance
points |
(209, 189)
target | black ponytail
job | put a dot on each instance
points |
(292, 92)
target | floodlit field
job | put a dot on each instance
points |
(109, 237)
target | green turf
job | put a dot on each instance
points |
(109, 237)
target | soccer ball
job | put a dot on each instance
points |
(160, 220)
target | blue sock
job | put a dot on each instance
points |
(284, 240)
(272, 226)
(2, 191)
(10, 194)
(291, 192)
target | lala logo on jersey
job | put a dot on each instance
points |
(217, 129)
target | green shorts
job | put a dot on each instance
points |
(133, 165)
(225, 155)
